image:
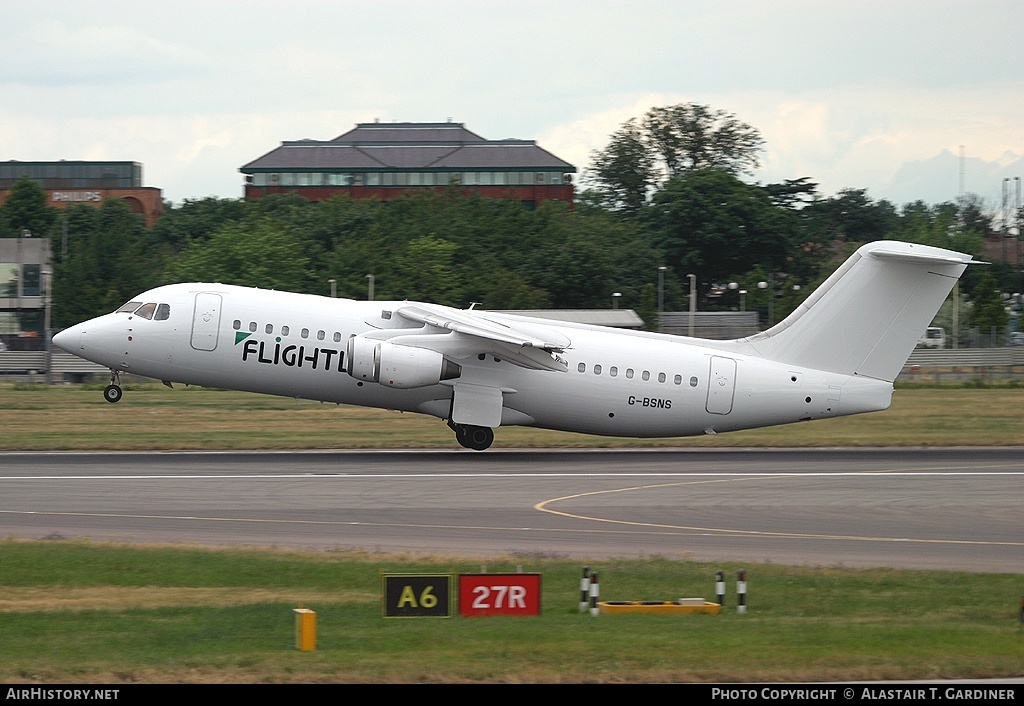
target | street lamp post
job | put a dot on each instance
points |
(693, 301)
(770, 286)
(47, 335)
(369, 294)
(743, 294)
(661, 294)
(615, 299)
(334, 287)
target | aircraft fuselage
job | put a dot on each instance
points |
(619, 383)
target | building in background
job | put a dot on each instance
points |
(71, 182)
(385, 160)
(24, 293)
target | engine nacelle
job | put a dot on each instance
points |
(395, 365)
(363, 358)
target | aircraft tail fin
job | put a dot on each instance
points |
(866, 318)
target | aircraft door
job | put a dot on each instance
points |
(206, 321)
(721, 385)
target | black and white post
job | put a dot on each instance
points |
(594, 591)
(720, 587)
(741, 591)
(585, 589)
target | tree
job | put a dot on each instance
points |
(624, 172)
(792, 193)
(989, 313)
(195, 220)
(666, 143)
(850, 215)
(261, 252)
(711, 224)
(26, 209)
(688, 137)
(107, 263)
(424, 271)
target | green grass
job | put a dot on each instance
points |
(82, 612)
(150, 416)
(77, 612)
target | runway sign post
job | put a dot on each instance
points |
(499, 594)
(305, 629)
(417, 595)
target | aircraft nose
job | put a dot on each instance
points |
(69, 340)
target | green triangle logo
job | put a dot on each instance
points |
(241, 336)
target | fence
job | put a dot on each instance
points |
(34, 364)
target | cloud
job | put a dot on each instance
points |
(51, 54)
(843, 93)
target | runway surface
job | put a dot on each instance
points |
(910, 508)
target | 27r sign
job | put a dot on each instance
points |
(499, 594)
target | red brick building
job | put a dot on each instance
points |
(70, 182)
(384, 160)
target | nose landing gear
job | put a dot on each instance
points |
(112, 392)
(473, 437)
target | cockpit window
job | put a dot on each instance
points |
(146, 310)
(129, 307)
(163, 312)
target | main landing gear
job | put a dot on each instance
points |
(471, 436)
(112, 392)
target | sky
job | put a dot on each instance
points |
(905, 98)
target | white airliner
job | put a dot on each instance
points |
(838, 353)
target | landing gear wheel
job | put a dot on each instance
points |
(112, 393)
(478, 438)
(473, 437)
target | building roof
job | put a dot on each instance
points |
(455, 133)
(407, 146)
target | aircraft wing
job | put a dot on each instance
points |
(472, 334)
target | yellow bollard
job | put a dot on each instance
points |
(305, 629)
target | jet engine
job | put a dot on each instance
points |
(395, 365)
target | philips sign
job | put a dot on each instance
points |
(77, 196)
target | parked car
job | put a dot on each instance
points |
(934, 337)
(1017, 338)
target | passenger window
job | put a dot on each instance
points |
(646, 375)
(337, 337)
(252, 326)
(319, 335)
(305, 333)
(285, 330)
(236, 324)
(693, 382)
(597, 370)
(613, 371)
(661, 377)
(146, 311)
(582, 367)
(163, 312)
(629, 373)
(269, 328)
(678, 379)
